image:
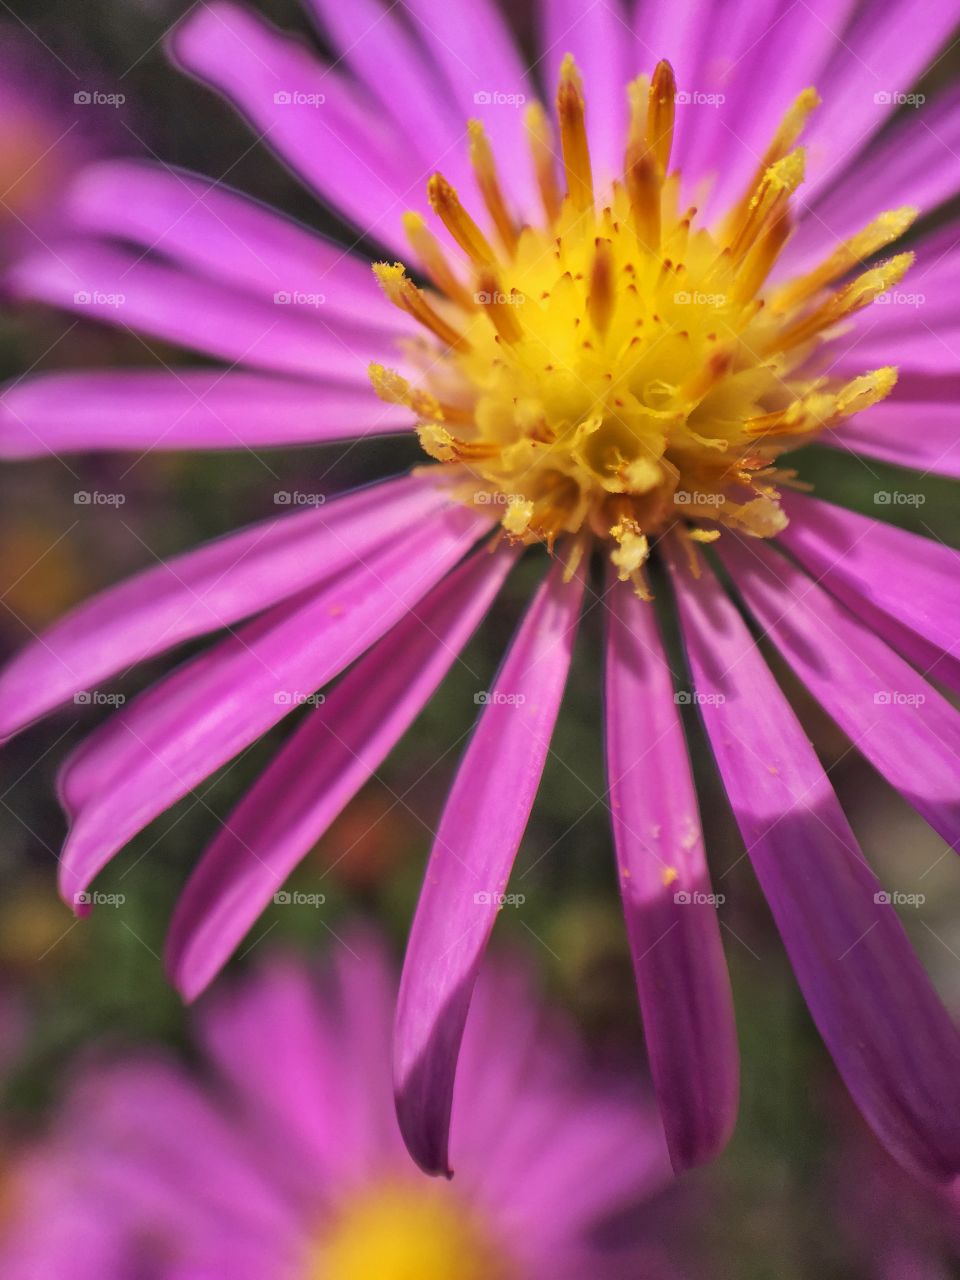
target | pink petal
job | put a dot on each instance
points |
(924, 435)
(908, 731)
(161, 749)
(480, 831)
(889, 1035)
(129, 291)
(665, 883)
(320, 769)
(203, 590)
(71, 412)
(902, 585)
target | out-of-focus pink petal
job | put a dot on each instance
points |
(124, 289)
(908, 731)
(318, 771)
(223, 234)
(670, 910)
(203, 590)
(891, 1038)
(902, 585)
(353, 157)
(480, 831)
(148, 410)
(162, 748)
(924, 435)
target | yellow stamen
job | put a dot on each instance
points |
(660, 115)
(643, 189)
(484, 166)
(540, 139)
(403, 293)
(849, 300)
(603, 298)
(573, 136)
(774, 189)
(429, 251)
(501, 308)
(445, 203)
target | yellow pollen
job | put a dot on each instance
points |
(619, 369)
(405, 1230)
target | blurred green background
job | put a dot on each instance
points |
(77, 983)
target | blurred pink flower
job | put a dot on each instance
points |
(624, 372)
(280, 1155)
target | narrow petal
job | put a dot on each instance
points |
(221, 233)
(908, 731)
(161, 748)
(665, 883)
(204, 590)
(901, 584)
(320, 769)
(891, 1038)
(309, 115)
(480, 831)
(125, 289)
(69, 412)
(602, 44)
(923, 435)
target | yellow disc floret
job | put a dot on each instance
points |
(618, 369)
(401, 1230)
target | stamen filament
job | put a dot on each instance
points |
(403, 293)
(541, 143)
(484, 166)
(573, 137)
(430, 252)
(445, 203)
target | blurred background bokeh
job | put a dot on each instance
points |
(776, 1204)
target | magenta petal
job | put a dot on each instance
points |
(671, 915)
(223, 701)
(123, 288)
(351, 155)
(924, 435)
(891, 1038)
(908, 731)
(318, 771)
(70, 412)
(480, 831)
(901, 584)
(202, 591)
(226, 235)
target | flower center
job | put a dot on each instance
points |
(620, 369)
(408, 1231)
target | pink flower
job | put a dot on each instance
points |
(280, 1157)
(613, 370)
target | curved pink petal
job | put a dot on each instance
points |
(912, 346)
(892, 1040)
(204, 590)
(475, 53)
(908, 731)
(148, 410)
(320, 769)
(221, 233)
(923, 435)
(670, 909)
(480, 831)
(601, 41)
(352, 157)
(160, 750)
(125, 289)
(902, 585)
